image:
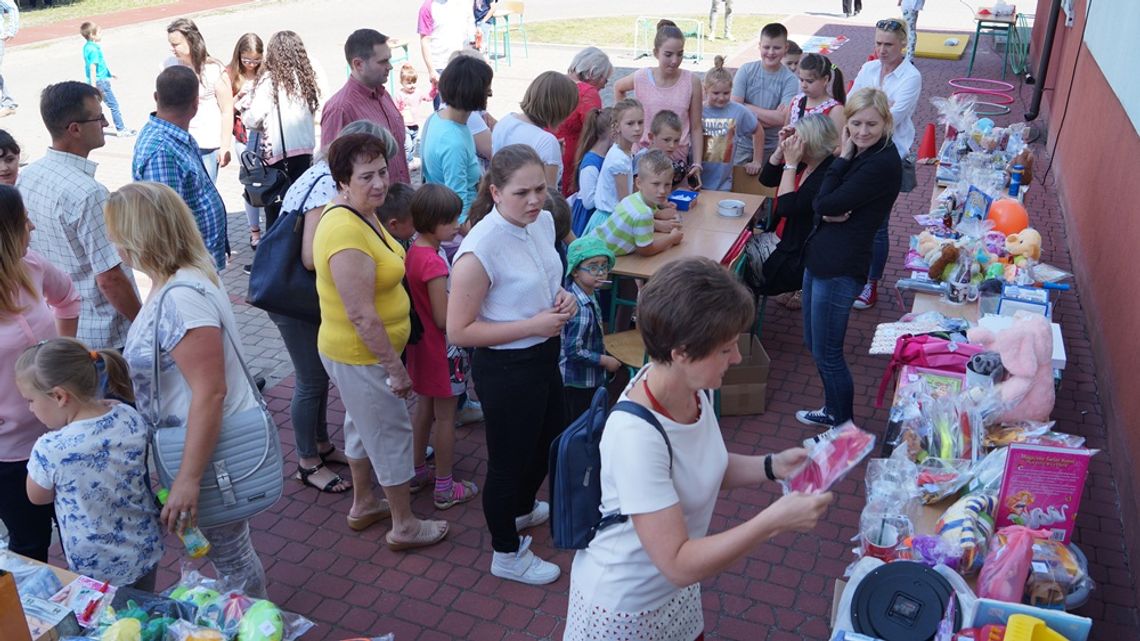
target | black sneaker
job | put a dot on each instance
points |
(815, 417)
(247, 268)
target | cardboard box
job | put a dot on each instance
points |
(745, 386)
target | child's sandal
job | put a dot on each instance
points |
(461, 492)
(420, 481)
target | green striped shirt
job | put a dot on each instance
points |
(629, 227)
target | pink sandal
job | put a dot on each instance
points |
(461, 492)
(420, 481)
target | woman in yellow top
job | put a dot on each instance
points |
(364, 327)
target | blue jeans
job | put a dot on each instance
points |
(309, 406)
(210, 161)
(827, 306)
(112, 103)
(880, 248)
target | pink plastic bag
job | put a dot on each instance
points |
(831, 459)
(1006, 568)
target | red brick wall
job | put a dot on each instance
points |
(1094, 166)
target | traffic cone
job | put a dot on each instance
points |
(927, 154)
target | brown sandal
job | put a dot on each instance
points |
(430, 533)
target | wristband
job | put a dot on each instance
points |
(768, 468)
(788, 167)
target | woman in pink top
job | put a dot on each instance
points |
(590, 70)
(669, 87)
(28, 286)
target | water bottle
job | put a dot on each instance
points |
(1015, 181)
(197, 545)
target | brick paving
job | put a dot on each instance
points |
(351, 585)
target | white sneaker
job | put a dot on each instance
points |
(539, 515)
(523, 566)
(472, 412)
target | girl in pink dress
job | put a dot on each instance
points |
(821, 91)
(667, 86)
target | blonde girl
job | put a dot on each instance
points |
(724, 121)
(615, 178)
(594, 141)
(91, 457)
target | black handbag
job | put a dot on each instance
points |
(263, 185)
(278, 281)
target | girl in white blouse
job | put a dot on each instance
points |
(507, 301)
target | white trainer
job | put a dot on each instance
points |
(523, 566)
(539, 515)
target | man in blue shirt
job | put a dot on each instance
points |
(95, 66)
(166, 153)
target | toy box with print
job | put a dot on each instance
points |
(745, 385)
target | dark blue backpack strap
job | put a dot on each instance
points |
(629, 407)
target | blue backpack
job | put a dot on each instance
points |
(576, 474)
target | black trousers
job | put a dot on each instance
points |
(576, 401)
(29, 526)
(294, 167)
(521, 393)
(848, 8)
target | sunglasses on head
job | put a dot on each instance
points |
(889, 25)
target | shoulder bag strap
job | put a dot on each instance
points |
(280, 123)
(155, 386)
(803, 107)
(629, 407)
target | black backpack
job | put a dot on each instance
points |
(576, 470)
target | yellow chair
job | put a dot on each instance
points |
(627, 347)
(508, 17)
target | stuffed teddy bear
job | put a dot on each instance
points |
(927, 243)
(1026, 242)
(947, 257)
(1026, 350)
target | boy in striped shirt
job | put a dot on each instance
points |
(629, 230)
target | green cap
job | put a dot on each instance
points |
(585, 248)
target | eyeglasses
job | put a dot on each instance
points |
(889, 25)
(596, 270)
(102, 117)
(250, 61)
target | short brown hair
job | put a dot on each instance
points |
(550, 99)
(434, 205)
(346, 151)
(654, 162)
(88, 30)
(397, 204)
(666, 118)
(693, 305)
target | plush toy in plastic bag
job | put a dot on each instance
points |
(830, 460)
(234, 615)
(1006, 567)
(967, 526)
(1058, 576)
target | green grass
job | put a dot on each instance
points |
(617, 31)
(70, 10)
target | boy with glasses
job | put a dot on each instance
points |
(584, 361)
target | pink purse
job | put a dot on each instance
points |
(924, 350)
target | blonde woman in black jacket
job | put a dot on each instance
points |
(857, 194)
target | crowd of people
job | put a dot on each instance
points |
(481, 283)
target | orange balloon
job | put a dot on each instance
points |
(1008, 216)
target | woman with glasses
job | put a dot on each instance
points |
(854, 200)
(242, 71)
(892, 73)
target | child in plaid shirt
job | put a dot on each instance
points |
(584, 361)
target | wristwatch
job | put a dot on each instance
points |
(790, 167)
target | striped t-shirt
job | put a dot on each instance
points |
(629, 227)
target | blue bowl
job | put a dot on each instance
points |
(683, 199)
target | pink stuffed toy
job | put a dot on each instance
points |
(1026, 350)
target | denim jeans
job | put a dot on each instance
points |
(210, 161)
(880, 248)
(112, 103)
(827, 306)
(309, 407)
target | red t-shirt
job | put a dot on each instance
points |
(427, 359)
(571, 129)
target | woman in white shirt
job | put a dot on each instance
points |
(549, 100)
(281, 108)
(212, 126)
(507, 301)
(200, 370)
(639, 579)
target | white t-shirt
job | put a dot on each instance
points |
(183, 310)
(512, 130)
(524, 268)
(617, 162)
(615, 572)
(903, 86)
(206, 126)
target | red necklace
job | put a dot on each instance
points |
(659, 408)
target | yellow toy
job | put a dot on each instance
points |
(1026, 242)
(1022, 627)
